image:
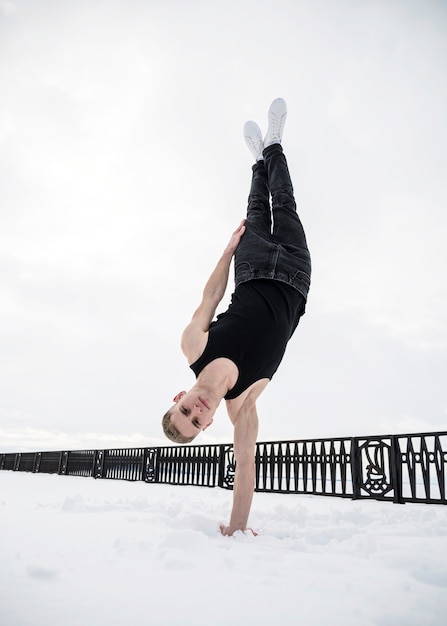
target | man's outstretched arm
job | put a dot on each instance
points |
(213, 293)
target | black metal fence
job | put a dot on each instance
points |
(397, 468)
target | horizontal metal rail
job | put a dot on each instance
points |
(395, 468)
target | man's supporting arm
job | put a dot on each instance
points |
(245, 434)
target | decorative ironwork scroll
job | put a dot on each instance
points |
(227, 467)
(375, 456)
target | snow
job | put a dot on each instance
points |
(84, 551)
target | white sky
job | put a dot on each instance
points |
(124, 171)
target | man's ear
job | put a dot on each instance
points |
(179, 396)
(205, 427)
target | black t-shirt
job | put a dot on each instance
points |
(254, 331)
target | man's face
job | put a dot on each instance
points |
(192, 413)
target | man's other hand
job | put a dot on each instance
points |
(235, 238)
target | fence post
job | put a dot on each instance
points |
(356, 468)
(59, 467)
(396, 470)
(221, 472)
(144, 462)
(37, 459)
(98, 464)
(17, 461)
(149, 471)
(63, 463)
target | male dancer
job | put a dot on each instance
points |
(235, 357)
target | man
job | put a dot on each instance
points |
(235, 357)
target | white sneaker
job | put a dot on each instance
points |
(253, 138)
(277, 120)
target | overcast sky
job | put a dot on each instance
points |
(124, 172)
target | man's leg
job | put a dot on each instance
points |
(283, 254)
(259, 218)
(254, 250)
(287, 227)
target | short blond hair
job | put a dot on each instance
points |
(172, 432)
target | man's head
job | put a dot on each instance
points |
(192, 412)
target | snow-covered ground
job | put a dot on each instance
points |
(79, 551)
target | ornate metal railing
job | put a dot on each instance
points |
(397, 468)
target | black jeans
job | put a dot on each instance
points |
(274, 244)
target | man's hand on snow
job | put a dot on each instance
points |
(228, 532)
